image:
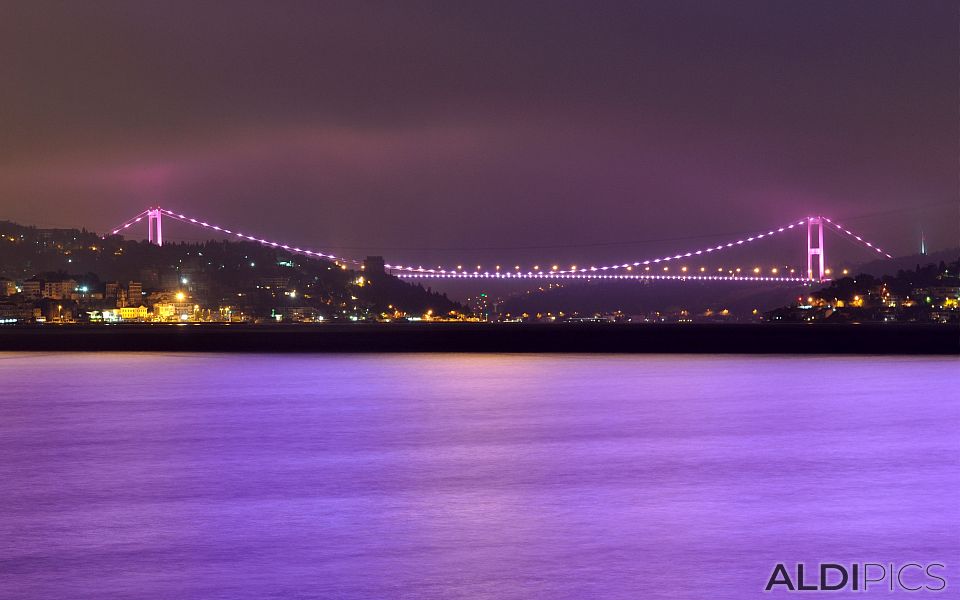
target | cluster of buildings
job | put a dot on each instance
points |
(66, 300)
(271, 299)
(928, 304)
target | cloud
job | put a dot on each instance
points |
(460, 123)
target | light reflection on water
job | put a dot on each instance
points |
(467, 476)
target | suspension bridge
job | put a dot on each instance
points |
(653, 268)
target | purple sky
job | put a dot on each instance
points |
(374, 127)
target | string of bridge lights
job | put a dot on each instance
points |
(554, 272)
(555, 269)
(129, 222)
(856, 237)
(259, 240)
(549, 275)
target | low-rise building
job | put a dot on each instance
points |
(7, 287)
(134, 313)
(58, 311)
(17, 311)
(164, 311)
(175, 311)
(296, 313)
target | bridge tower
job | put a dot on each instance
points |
(154, 228)
(815, 222)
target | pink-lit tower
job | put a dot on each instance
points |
(815, 250)
(154, 227)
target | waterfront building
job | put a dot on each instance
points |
(59, 290)
(134, 293)
(7, 287)
(13, 311)
(133, 313)
(32, 288)
(164, 311)
(112, 291)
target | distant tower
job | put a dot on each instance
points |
(154, 228)
(923, 244)
(815, 250)
(374, 266)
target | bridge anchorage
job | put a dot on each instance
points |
(816, 272)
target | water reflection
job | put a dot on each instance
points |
(464, 476)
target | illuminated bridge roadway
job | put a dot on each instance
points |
(816, 272)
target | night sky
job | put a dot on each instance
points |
(466, 128)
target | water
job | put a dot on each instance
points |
(463, 476)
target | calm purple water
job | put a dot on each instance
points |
(461, 476)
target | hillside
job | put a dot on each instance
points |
(259, 279)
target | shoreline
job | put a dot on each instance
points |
(867, 338)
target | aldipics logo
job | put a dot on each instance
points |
(858, 577)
